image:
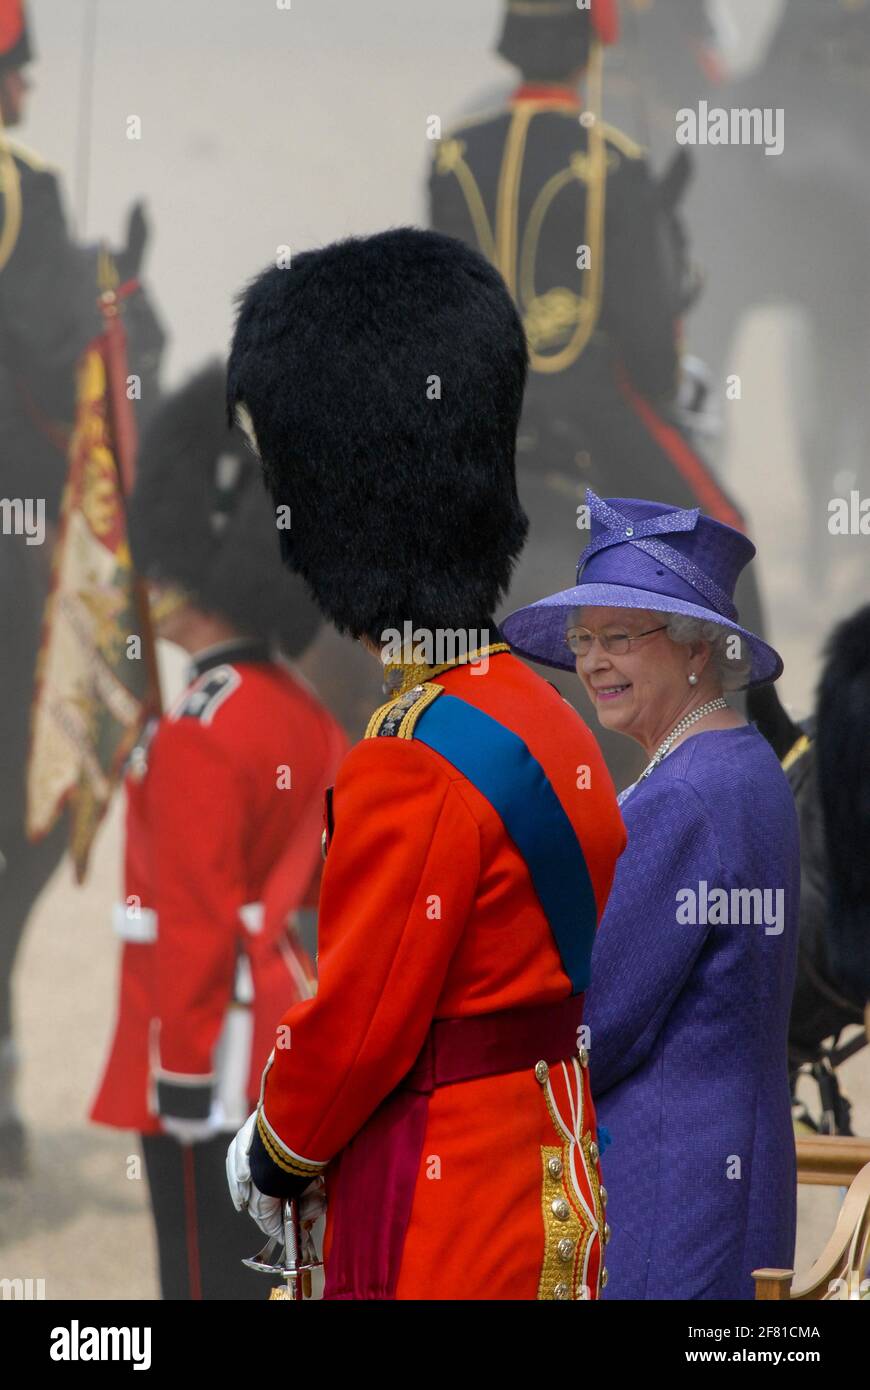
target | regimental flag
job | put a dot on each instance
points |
(96, 681)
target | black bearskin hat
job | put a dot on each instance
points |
(383, 377)
(199, 519)
(16, 49)
(550, 39)
(843, 743)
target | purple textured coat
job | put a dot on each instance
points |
(688, 1025)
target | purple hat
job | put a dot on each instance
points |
(646, 555)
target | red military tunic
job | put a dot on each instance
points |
(225, 800)
(428, 912)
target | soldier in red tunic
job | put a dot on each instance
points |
(223, 820)
(439, 1078)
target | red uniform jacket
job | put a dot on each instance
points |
(428, 912)
(224, 801)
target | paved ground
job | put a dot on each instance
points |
(81, 1223)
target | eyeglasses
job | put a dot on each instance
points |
(614, 643)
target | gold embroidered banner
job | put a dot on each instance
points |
(95, 675)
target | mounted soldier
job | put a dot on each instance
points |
(48, 315)
(591, 247)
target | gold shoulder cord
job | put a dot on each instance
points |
(450, 159)
(630, 148)
(10, 182)
(544, 314)
(552, 313)
(507, 197)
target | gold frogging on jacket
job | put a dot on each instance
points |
(569, 1225)
(561, 319)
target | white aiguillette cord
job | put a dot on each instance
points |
(664, 748)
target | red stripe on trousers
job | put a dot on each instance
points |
(193, 1270)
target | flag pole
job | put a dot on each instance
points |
(122, 423)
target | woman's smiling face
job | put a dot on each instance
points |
(644, 691)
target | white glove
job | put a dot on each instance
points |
(266, 1211)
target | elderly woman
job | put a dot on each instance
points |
(693, 966)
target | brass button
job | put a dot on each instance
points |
(554, 1167)
(542, 1071)
(560, 1209)
(604, 1277)
(565, 1250)
(561, 1292)
(604, 1196)
(583, 1054)
(607, 1233)
(593, 1151)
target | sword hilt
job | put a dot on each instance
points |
(287, 1258)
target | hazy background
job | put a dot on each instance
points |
(263, 127)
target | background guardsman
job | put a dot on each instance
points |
(592, 248)
(473, 833)
(224, 798)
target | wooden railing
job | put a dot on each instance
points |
(831, 1161)
(840, 1270)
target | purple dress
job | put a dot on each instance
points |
(688, 1018)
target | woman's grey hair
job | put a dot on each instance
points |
(731, 662)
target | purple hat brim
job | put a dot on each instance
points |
(538, 630)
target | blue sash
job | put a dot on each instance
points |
(498, 763)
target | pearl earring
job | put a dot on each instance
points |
(693, 679)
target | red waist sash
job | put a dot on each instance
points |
(372, 1182)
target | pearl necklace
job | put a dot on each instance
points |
(719, 703)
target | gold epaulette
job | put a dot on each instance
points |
(398, 717)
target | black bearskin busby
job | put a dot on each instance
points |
(383, 377)
(843, 742)
(200, 519)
